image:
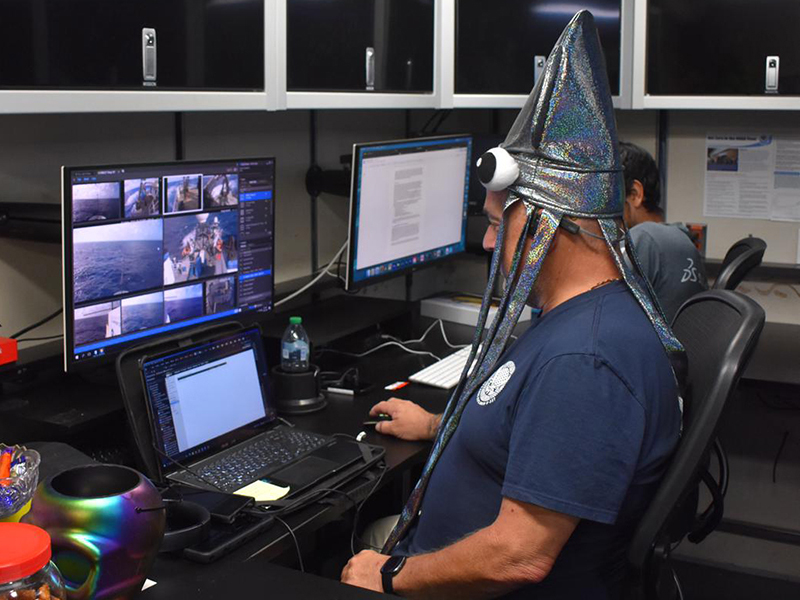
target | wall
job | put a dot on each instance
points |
(33, 148)
(686, 177)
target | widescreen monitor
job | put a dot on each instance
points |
(408, 205)
(152, 249)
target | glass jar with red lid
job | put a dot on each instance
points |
(26, 572)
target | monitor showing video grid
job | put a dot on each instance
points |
(149, 249)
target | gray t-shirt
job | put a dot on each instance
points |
(671, 263)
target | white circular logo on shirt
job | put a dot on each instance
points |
(495, 384)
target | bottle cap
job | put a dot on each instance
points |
(295, 320)
(24, 550)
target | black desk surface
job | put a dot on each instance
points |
(776, 358)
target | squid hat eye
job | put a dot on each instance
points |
(497, 169)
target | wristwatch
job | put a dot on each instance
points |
(389, 569)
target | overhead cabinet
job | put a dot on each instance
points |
(111, 45)
(720, 48)
(360, 46)
(500, 45)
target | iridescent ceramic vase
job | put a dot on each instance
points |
(106, 523)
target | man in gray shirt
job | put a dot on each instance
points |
(667, 255)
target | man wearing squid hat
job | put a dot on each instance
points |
(550, 448)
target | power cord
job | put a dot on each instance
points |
(296, 543)
(379, 347)
(37, 324)
(325, 271)
(39, 339)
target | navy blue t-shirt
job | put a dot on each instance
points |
(580, 417)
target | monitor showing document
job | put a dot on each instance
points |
(408, 205)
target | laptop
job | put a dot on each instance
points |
(215, 425)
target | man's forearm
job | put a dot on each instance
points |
(482, 565)
(436, 420)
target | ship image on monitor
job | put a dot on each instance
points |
(97, 322)
(142, 198)
(183, 193)
(220, 191)
(220, 295)
(201, 245)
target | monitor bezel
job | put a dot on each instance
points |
(350, 283)
(70, 364)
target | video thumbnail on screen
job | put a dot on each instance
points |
(96, 202)
(97, 322)
(220, 295)
(200, 245)
(220, 191)
(183, 303)
(142, 198)
(110, 260)
(142, 312)
(183, 193)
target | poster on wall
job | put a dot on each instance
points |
(752, 177)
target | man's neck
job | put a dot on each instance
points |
(566, 286)
(650, 217)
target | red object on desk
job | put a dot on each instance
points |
(5, 467)
(8, 350)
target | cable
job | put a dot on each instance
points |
(37, 324)
(778, 455)
(376, 348)
(37, 339)
(446, 341)
(296, 543)
(315, 280)
(354, 535)
(285, 422)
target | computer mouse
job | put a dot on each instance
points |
(378, 418)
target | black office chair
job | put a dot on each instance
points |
(719, 330)
(740, 259)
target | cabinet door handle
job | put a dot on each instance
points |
(148, 56)
(538, 67)
(369, 66)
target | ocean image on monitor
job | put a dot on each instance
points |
(111, 260)
(183, 193)
(220, 191)
(200, 245)
(95, 202)
(220, 295)
(97, 322)
(142, 198)
(183, 303)
(142, 312)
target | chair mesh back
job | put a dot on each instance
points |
(719, 329)
(705, 329)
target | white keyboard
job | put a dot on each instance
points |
(445, 373)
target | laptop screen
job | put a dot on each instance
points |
(207, 397)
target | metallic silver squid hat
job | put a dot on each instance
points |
(561, 159)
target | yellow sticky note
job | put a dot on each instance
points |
(263, 491)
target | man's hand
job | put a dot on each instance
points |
(364, 570)
(409, 421)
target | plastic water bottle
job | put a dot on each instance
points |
(294, 347)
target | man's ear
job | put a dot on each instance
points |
(636, 195)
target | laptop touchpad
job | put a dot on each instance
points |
(304, 472)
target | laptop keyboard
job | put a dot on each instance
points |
(270, 451)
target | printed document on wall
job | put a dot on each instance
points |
(740, 174)
(786, 187)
